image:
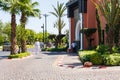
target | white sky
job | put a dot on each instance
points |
(35, 24)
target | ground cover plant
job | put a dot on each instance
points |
(20, 55)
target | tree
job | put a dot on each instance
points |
(7, 31)
(27, 9)
(59, 13)
(11, 6)
(59, 26)
(1, 32)
(110, 9)
(31, 35)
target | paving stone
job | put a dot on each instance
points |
(43, 67)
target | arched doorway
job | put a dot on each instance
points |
(78, 35)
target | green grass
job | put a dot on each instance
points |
(21, 55)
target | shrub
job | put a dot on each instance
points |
(111, 59)
(92, 56)
(21, 55)
(102, 49)
(115, 49)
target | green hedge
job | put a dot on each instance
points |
(91, 56)
(21, 55)
(111, 59)
(98, 59)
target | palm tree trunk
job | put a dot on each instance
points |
(13, 34)
(23, 41)
(59, 26)
(110, 38)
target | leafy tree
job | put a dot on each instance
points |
(30, 36)
(39, 36)
(7, 31)
(1, 32)
(59, 13)
(110, 9)
(11, 6)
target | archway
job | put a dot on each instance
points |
(77, 31)
(78, 34)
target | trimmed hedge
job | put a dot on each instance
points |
(92, 56)
(111, 59)
(21, 55)
(98, 59)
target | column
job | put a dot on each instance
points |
(81, 34)
(69, 33)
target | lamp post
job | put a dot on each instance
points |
(43, 32)
(45, 15)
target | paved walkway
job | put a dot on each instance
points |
(52, 66)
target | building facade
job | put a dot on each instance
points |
(82, 14)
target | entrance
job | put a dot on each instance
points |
(78, 34)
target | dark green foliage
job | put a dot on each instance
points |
(21, 55)
(55, 49)
(91, 56)
(88, 33)
(102, 49)
(111, 59)
(57, 39)
(115, 49)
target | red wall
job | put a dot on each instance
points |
(89, 22)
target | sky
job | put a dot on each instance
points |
(35, 23)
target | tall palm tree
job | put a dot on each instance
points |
(11, 6)
(110, 9)
(27, 9)
(62, 24)
(59, 13)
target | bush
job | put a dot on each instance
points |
(111, 59)
(21, 55)
(115, 49)
(102, 49)
(92, 56)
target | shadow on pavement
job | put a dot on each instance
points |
(74, 64)
(3, 57)
(55, 53)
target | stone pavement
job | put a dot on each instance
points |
(47, 66)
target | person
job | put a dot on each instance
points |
(37, 47)
(74, 45)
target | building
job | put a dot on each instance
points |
(82, 14)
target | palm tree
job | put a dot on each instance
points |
(56, 25)
(59, 13)
(27, 9)
(110, 9)
(11, 6)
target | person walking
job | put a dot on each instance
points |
(37, 47)
(74, 46)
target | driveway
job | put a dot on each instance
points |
(44, 66)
